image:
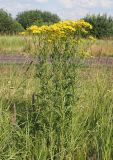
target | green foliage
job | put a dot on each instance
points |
(28, 18)
(102, 25)
(16, 27)
(7, 24)
(56, 124)
(56, 98)
(5, 21)
(12, 44)
(41, 23)
(48, 17)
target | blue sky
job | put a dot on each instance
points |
(66, 9)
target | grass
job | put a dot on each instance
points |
(15, 78)
(18, 45)
(56, 109)
(102, 48)
(12, 44)
(33, 135)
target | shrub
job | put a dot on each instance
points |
(16, 27)
(48, 17)
(41, 23)
(102, 25)
(28, 18)
(7, 24)
(5, 21)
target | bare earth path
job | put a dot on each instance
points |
(20, 59)
(15, 59)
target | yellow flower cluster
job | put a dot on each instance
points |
(61, 29)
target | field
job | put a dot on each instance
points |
(15, 45)
(91, 126)
(59, 108)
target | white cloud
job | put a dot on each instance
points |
(86, 3)
(66, 9)
(41, 1)
(17, 7)
(79, 8)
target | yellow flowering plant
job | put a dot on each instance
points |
(56, 47)
(61, 29)
(58, 33)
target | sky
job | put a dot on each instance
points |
(65, 9)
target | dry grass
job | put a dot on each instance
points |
(15, 82)
(102, 48)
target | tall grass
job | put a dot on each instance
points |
(11, 44)
(102, 48)
(14, 44)
(57, 109)
(47, 125)
(18, 45)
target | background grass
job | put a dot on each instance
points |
(102, 48)
(24, 45)
(14, 44)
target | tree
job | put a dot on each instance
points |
(28, 18)
(40, 23)
(16, 27)
(5, 21)
(102, 25)
(7, 24)
(48, 17)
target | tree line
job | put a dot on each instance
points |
(102, 24)
(24, 20)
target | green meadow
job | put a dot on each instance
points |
(33, 127)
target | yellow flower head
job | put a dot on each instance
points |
(62, 29)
